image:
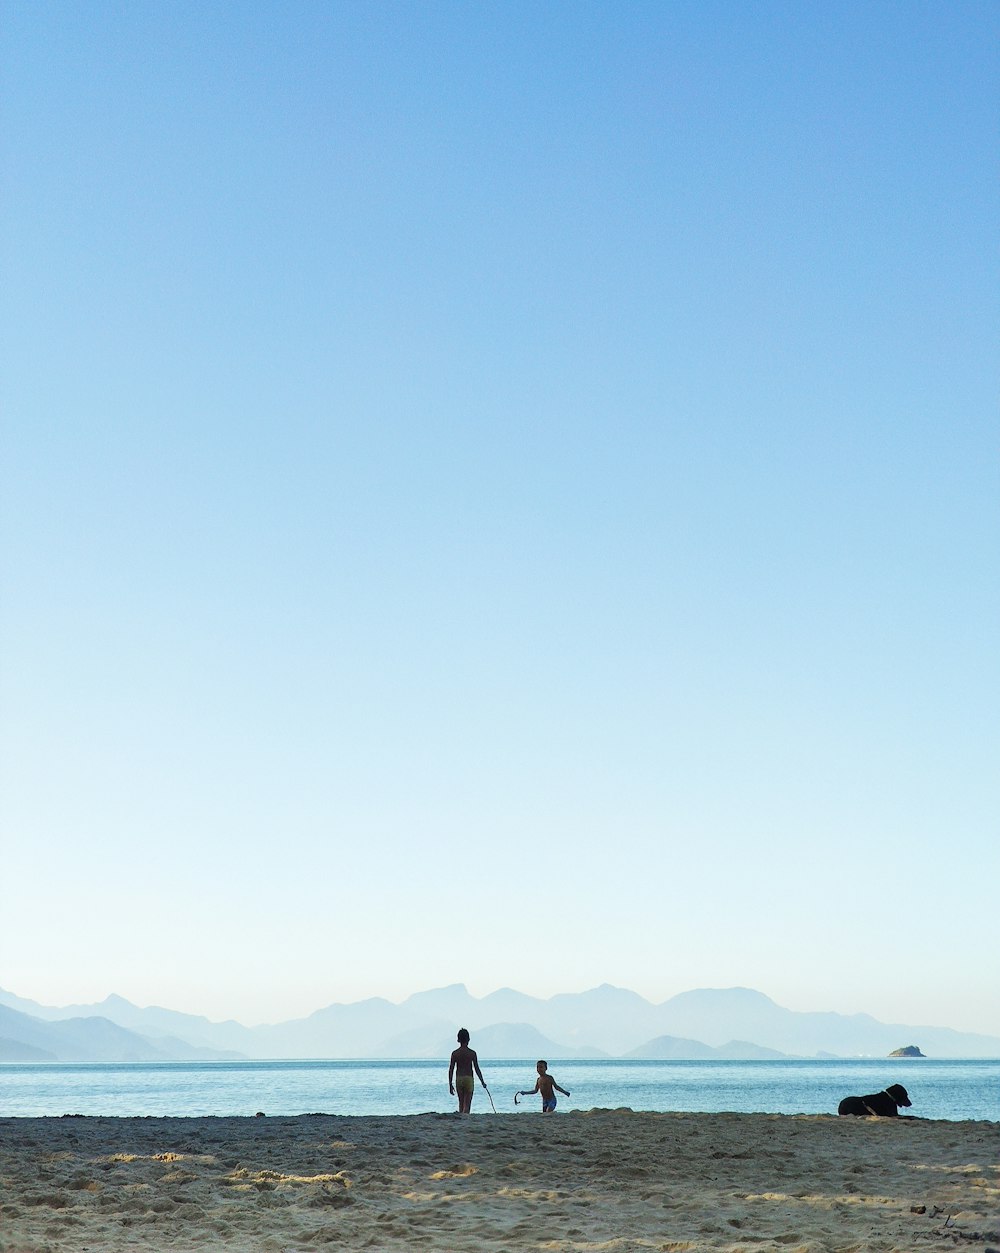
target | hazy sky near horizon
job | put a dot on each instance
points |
(502, 494)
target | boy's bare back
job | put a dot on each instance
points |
(465, 1060)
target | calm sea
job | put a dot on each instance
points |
(938, 1089)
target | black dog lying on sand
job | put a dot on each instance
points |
(884, 1104)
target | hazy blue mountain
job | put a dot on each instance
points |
(189, 1030)
(612, 1019)
(514, 1041)
(743, 1051)
(17, 1051)
(670, 1048)
(32, 1008)
(605, 1020)
(717, 1015)
(506, 1005)
(76, 1039)
(709, 1014)
(227, 1037)
(732, 1022)
(502, 1041)
(352, 1030)
(86, 1039)
(432, 1039)
(449, 1003)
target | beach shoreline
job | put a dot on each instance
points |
(570, 1183)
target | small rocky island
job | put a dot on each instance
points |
(910, 1050)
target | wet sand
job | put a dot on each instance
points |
(571, 1183)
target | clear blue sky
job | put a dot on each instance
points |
(502, 493)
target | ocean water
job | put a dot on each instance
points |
(954, 1090)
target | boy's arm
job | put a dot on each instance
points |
(451, 1071)
(475, 1062)
(559, 1089)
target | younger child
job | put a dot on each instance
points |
(547, 1086)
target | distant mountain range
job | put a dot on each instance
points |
(732, 1023)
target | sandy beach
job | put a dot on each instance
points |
(603, 1180)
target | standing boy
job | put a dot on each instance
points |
(463, 1062)
(547, 1086)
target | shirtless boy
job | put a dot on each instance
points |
(547, 1086)
(463, 1062)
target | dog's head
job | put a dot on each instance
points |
(898, 1094)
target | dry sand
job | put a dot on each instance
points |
(605, 1180)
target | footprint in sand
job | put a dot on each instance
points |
(83, 1183)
